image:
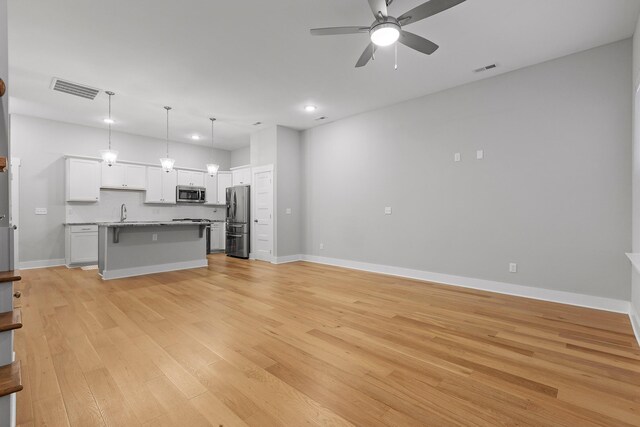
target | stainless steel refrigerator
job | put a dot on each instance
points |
(238, 221)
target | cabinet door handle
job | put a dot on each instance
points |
(17, 294)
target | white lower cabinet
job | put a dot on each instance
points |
(81, 244)
(218, 237)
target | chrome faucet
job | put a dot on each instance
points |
(123, 212)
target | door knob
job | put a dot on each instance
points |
(255, 220)
(17, 294)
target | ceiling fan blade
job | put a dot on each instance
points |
(426, 10)
(418, 43)
(332, 31)
(366, 55)
(377, 7)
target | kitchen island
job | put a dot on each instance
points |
(128, 249)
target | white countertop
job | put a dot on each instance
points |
(150, 224)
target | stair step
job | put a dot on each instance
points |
(10, 378)
(11, 320)
(10, 276)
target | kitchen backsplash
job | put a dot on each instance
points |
(108, 209)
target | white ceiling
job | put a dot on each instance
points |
(254, 60)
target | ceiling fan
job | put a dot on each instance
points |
(387, 29)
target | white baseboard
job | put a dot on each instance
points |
(635, 322)
(150, 269)
(30, 265)
(600, 303)
(286, 259)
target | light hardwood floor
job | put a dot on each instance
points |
(249, 343)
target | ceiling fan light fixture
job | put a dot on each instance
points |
(385, 34)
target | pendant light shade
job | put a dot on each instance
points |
(167, 162)
(109, 156)
(212, 168)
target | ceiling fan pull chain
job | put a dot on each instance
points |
(396, 68)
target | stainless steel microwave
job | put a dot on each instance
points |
(185, 194)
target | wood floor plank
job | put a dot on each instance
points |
(246, 343)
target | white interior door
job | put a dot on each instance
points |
(263, 213)
(14, 220)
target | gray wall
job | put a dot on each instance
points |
(241, 157)
(288, 192)
(635, 286)
(41, 145)
(553, 193)
(4, 113)
(263, 147)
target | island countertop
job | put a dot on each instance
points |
(150, 224)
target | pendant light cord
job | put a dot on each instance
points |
(212, 145)
(167, 108)
(110, 95)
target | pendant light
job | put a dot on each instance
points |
(167, 162)
(212, 168)
(109, 156)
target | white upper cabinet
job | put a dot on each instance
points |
(135, 177)
(191, 178)
(225, 180)
(161, 186)
(242, 176)
(211, 189)
(124, 176)
(82, 180)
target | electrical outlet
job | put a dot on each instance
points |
(288, 211)
(41, 211)
(154, 237)
(480, 154)
(321, 246)
(457, 157)
(387, 210)
(513, 267)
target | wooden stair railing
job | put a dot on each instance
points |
(11, 320)
(10, 378)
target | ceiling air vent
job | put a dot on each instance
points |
(74, 89)
(483, 69)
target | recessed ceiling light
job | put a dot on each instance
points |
(310, 108)
(109, 121)
(195, 137)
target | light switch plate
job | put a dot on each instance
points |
(457, 157)
(288, 211)
(41, 211)
(387, 210)
(480, 154)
